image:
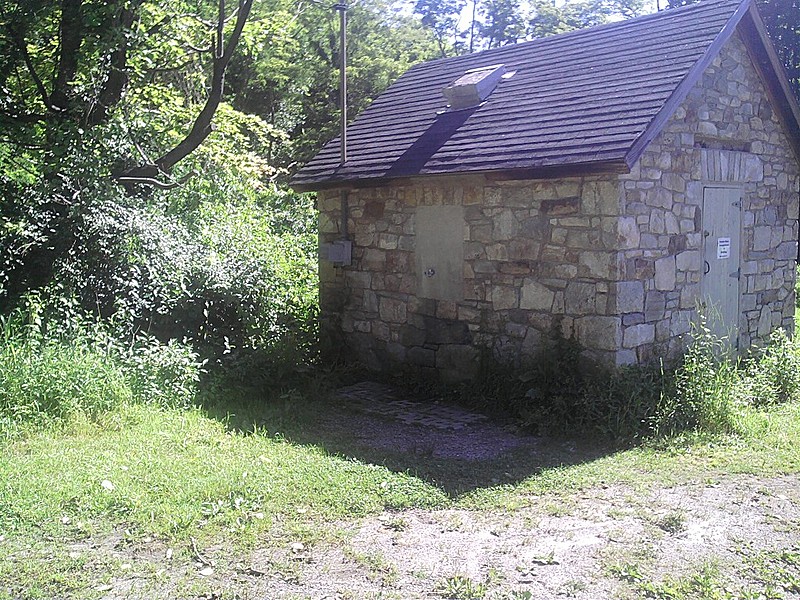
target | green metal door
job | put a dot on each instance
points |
(719, 288)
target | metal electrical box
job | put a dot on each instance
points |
(339, 252)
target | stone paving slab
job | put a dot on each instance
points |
(387, 401)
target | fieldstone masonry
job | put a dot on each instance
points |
(613, 261)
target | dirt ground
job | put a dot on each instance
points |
(741, 535)
(608, 539)
(738, 537)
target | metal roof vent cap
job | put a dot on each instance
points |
(473, 87)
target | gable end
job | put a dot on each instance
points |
(747, 20)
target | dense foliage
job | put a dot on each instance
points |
(707, 392)
(121, 199)
(144, 153)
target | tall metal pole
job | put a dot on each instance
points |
(342, 8)
(343, 196)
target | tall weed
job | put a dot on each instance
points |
(166, 374)
(44, 379)
(797, 288)
(772, 375)
(52, 369)
(706, 392)
(703, 390)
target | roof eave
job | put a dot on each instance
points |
(774, 75)
(663, 116)
(766, 61)
(604, 167)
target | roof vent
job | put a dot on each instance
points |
(473, 87)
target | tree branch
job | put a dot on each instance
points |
(202, 125)
(117, 77)
(23, 117)
(19, 41)
(129, 180)
(71, 37)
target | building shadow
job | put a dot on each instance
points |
(483, 454)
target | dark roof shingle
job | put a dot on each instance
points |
(579, 98)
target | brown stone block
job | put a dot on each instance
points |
(403, 284)
(446, 331)
(497, 252)
(556, 207)
(643, 268)
(579, 298)
(374, 260)
(422, 357)
(553, 254)
(457, 362)
(515, 268)
(504, 297)
(523, 250)
(474, 291)
(393, 310)
(469, 314)
(446, 309)
(600, 333)
(484, 266)
(655, 305)
(422, 306)
(481, 232)
(535, 227)
(411, 336)
(398, 262)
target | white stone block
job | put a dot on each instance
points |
(536, 296)
(665, 277)
(638, 335)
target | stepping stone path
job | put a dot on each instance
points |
(384, 400)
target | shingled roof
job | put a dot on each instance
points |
(585, 101)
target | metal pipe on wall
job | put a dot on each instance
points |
(341, 7)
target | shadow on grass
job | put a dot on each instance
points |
(483, 455)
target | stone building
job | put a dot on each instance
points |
(599, 185)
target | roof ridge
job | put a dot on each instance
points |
(580, 100)
(632, 22)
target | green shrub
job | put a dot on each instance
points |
(563, 393)
(45, 379)
(622, 404)
(234, 271)
(773, 375)
(704, 387)
(797, 288)
(53, 369)
(164, 374)
(560, 393)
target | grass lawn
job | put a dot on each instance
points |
(184, 482)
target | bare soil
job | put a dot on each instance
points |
(604, 543)
(735, 536)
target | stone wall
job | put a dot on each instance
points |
(540, 259)
(612, 261)
(726, 132)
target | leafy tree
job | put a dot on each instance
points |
(549, 18)
(293, 82)
(782, 18)
(201, 241)
(441, 17)
(92, 91)
(67, 67)
(503, 23)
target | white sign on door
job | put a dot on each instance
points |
(723, 247)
